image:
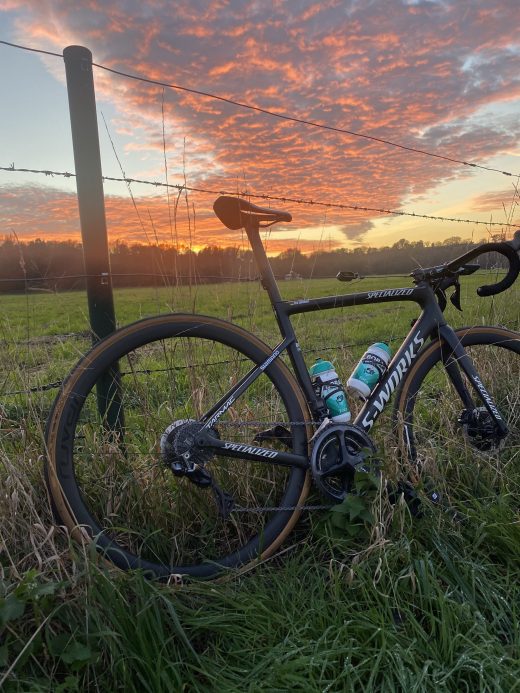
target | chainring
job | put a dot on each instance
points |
(339, 451)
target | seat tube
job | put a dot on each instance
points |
(266, 272)
(282, 318)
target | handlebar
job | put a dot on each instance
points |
(508, 249)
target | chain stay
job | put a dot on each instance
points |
(279, 508)
(269, 423)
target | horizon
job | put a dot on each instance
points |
(184, 249)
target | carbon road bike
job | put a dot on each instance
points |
(183, 444)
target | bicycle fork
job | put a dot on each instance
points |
(456, 359)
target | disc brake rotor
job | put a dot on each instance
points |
(480, 430)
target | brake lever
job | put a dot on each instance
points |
(441, 289)
(347, 276)
(455, 297)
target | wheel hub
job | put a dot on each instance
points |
(339, 451)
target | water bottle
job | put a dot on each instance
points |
(370, 369)
(328, 386)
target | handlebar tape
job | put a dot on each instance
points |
(508, 250)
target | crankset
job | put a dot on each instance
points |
(339, 451)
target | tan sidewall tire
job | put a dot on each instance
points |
(57, 492)
(432, 353)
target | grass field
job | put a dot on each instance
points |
(386, 604)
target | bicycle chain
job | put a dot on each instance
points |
(267, 509)
(268, 423)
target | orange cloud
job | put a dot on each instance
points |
(508, 200)
(416, 74)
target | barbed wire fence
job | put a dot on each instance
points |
(183, 188)
(266, 196)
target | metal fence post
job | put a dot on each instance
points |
(91, 203)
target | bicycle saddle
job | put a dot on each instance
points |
(235, 213)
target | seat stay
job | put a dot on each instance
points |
(237, 213)
(211, 417)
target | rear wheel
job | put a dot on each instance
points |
(112, 475)
(438, 434)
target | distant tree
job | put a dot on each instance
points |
(401, 244)
(59, 264)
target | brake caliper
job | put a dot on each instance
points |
(480, 429)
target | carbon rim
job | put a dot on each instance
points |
(81, 471)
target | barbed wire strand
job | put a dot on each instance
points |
(149, 371)
(202, 277)
(275, 114)
(62, 277)
(264, 196)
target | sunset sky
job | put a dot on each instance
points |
(438, 75)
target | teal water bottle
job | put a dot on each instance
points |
(328, 386)
(370, 369)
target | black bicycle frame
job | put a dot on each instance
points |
(431, 324)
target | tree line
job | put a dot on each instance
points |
(58, 265)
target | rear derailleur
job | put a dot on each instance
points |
(185, 458)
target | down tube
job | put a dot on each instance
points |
(397, 369)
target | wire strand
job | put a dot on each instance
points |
(275, 114)
(301, 121)
(33, 50)
(265, 196)
(148, 371)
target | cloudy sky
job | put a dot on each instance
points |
(438, 75)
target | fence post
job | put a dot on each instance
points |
(91, 203)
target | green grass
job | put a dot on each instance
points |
(390, 604)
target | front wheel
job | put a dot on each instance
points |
(438, 435)
(111, 476)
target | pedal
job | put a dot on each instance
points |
(410, 496)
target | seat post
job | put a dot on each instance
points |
(266, 271)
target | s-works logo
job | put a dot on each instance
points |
(393, 380)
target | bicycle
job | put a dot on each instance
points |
(183, 444)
